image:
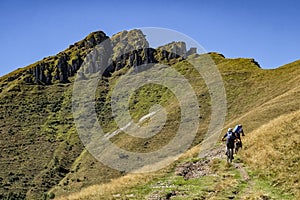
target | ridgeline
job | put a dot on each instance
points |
(42, 156)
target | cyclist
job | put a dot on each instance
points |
(230, 138)
(238, 130)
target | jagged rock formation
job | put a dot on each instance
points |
(173, 50)
(126, 41)
(124, 49)
(131, 49)
(191, 51)
(62, 66)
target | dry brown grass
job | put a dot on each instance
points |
(273, 150)
(109, 189)
(125, 182)
(284, 103)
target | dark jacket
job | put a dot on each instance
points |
(238, 131)
(230, 137)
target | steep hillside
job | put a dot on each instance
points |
(40, 148)
(43, 157)
(38, 139)
(273, 151)
(266, 102)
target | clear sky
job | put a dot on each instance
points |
(266, 30)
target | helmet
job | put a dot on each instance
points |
(240, 125)
(230, 129)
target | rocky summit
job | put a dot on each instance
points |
(127, 48)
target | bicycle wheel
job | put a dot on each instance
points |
(236, 147)
(229, 155)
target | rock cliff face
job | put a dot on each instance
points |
(131, 49)
(173, 50)
(124, 49)
(64, 65)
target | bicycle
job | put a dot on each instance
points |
(237, 145)
(229, 155)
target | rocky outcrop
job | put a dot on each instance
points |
(131, 49)
(191, 51)
(64, 65)
(173, 50)
(124, 49)
(126, 41)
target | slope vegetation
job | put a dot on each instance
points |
(43, 157)
(266, 102)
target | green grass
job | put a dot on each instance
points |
(225, 182)
(41, 151)
(255, 97)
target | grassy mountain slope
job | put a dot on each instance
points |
(266, 102)
(38, 138)
(42, 155)
(273, 151)
(40, 148)
(140, 103)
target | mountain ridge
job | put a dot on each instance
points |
(81, 48)
(44, 156)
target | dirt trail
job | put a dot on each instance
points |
(242, 171)
(202, 167)
(218, 152)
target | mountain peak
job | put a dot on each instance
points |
(59, 67)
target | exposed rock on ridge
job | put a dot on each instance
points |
(124, 49)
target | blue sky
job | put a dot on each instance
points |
(266, 30)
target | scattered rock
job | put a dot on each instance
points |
(155, 196)
(265, 197)
(200, 168)
(116, 195)
(191, 170)
(170, 194)
(130, 195)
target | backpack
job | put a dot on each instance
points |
(230, 136)
(237, 129)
